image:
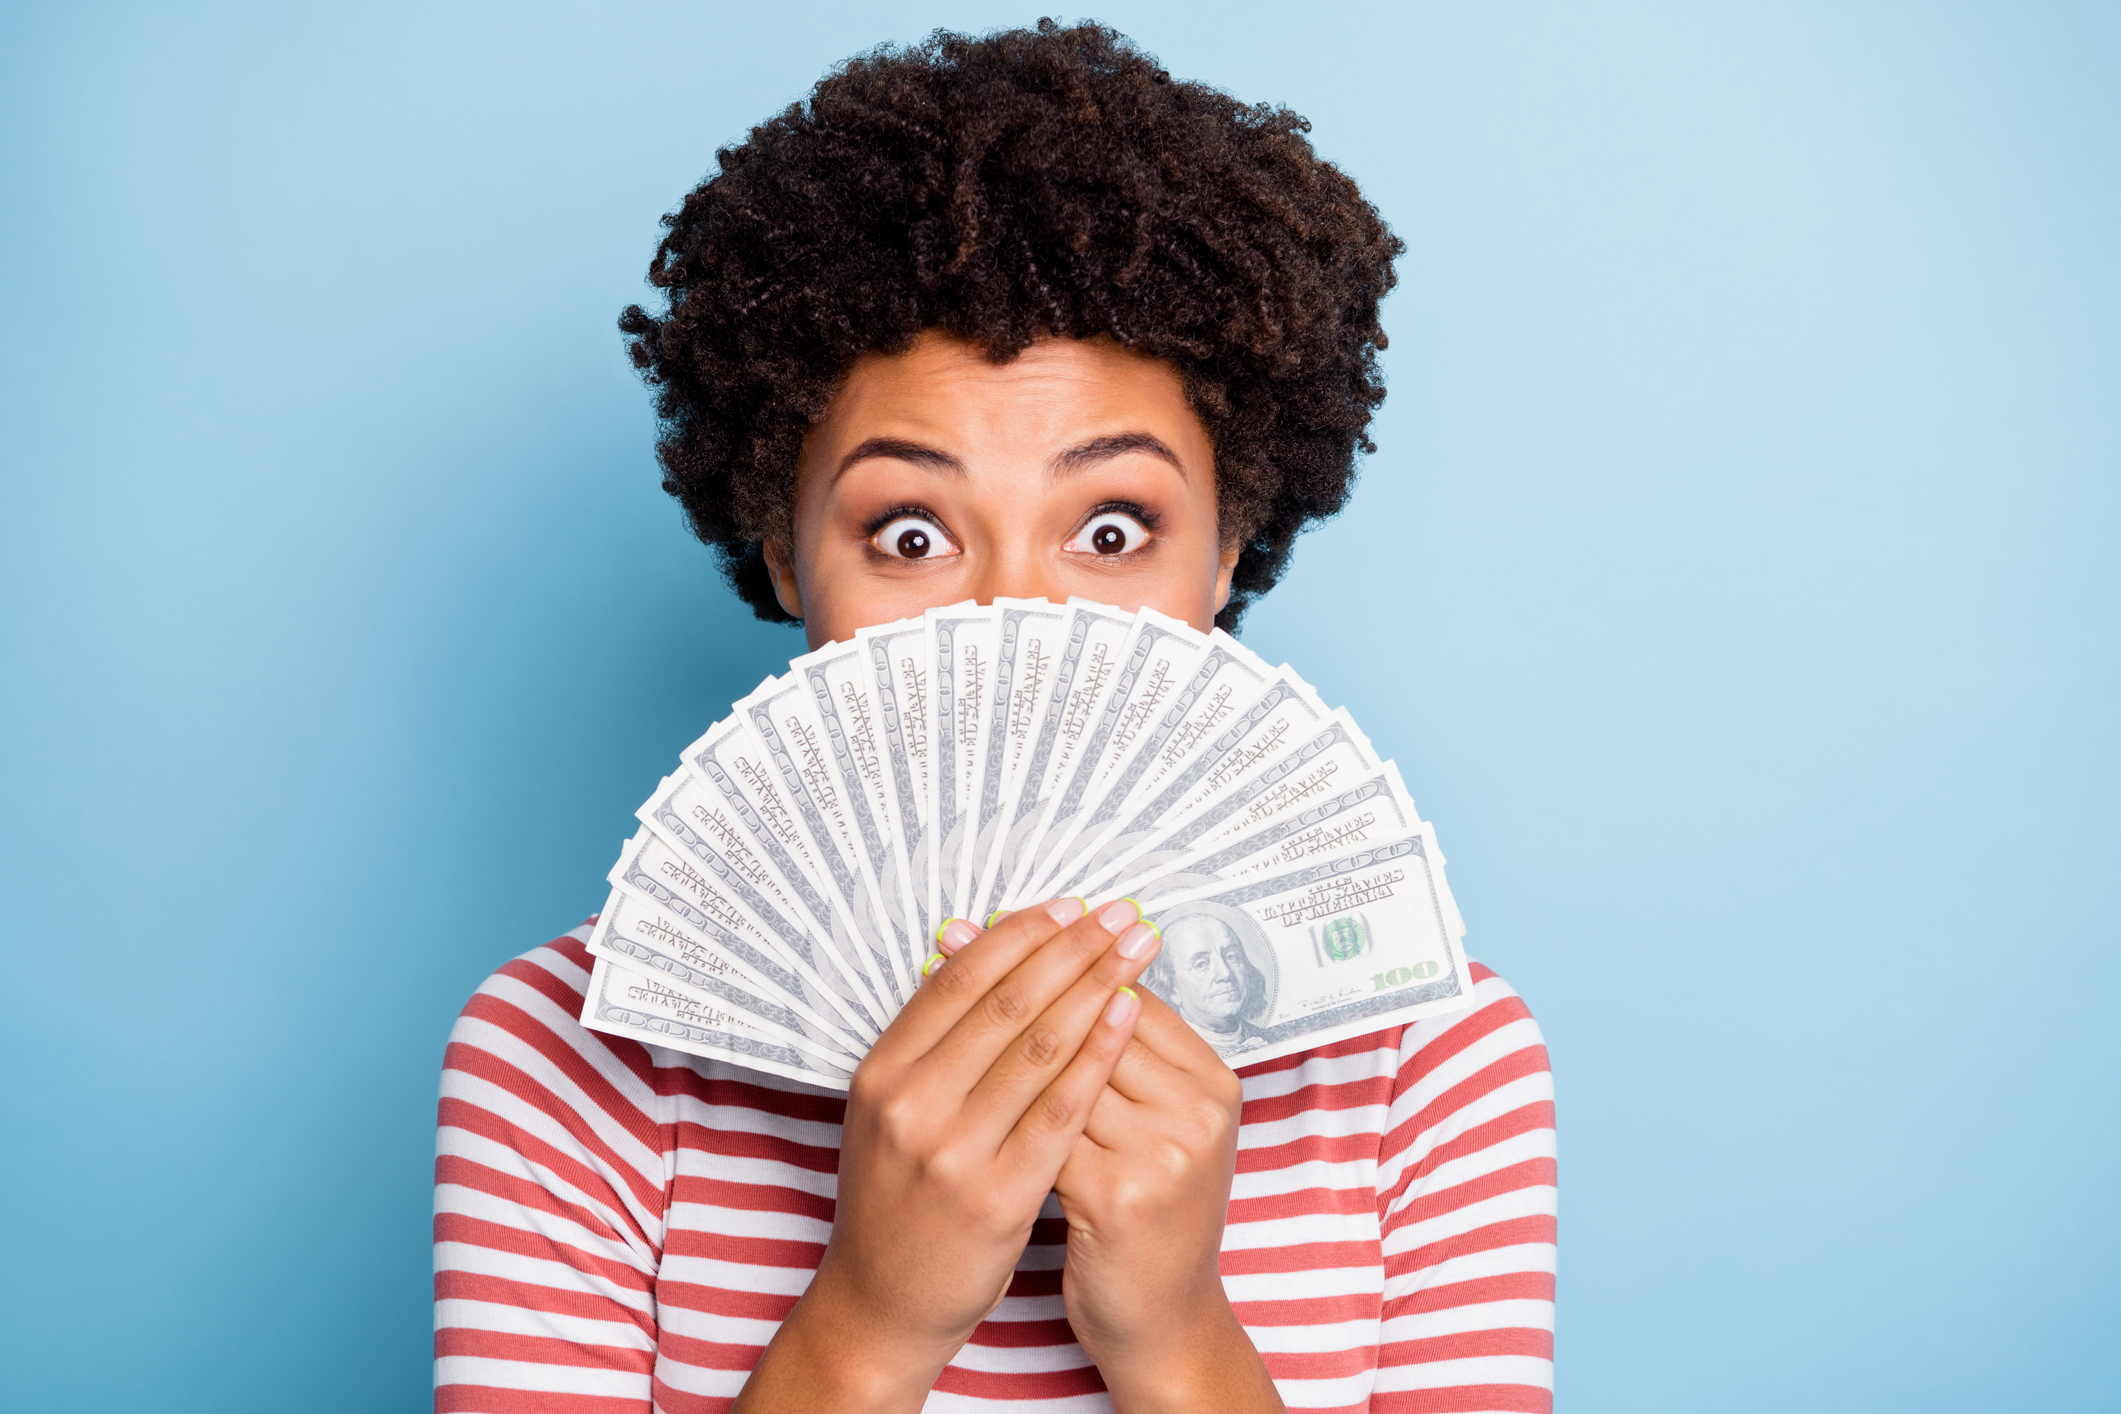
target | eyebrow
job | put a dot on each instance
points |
(1100, 449)
(898, 449)
(1077, 458)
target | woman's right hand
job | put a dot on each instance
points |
(958, 1122)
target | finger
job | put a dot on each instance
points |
(957, 932)
(1115, 1119)
(1092, 1167)
(954, 934)
(1044, 1136)
(953, 982)
(1010, 1007)
(1030, 1061)
(1165, 1032)
(1166, 1058)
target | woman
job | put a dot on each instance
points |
(1015, 316)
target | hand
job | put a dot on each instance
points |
(958, 1122)
(1145, 1193)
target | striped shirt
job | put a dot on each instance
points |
(620, 1227)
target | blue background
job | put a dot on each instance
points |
(1736, 585)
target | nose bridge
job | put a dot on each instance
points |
(1012, 563)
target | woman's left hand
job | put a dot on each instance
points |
(1145, 1193)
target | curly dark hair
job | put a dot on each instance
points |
(1024, 184)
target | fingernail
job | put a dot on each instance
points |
(934, 962)
(994, 917)
(954, 934)
(1123, 1001)
(1139, 941)
(1119, 916)
(1066, 910)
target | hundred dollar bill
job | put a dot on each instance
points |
(965, 639)
(699, 892)
(1272, 964)
(622, 1003)
(1226, 679)
(1365, 813)
(1037, 675)
(734, 764)
(1295, 778)
(647, 941)
(842, 710)
(780, 718)
(898, 658)
(1285, 711)
(685, 815)
(1024, 660)
(1089, 637)
(1225, 676)
(692, 817)
(1151, 667)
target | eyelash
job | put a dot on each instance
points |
(1147, 517)
(878, 522)
(1140, 514)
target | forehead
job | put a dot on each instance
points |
(1198, 932)
(946, 391)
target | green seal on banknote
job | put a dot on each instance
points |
(1343, 938)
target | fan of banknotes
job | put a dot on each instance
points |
(780, 900)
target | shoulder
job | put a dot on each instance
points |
(1419, 1070)
(558, 970)
(521, 1036)
(1475, 1082)
(1491, 1042)
(1497, 1022)
(520, 1041)
(534, 995)
(1497, 1012)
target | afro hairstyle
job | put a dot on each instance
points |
(1032, 183)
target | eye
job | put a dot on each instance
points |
(1110, 533)
(911, 537)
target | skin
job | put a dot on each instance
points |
(1021, 1067)
(1005, 467)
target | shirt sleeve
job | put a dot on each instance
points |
(1466, 1201)
(550, 1184)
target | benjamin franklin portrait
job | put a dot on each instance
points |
(1216, 973)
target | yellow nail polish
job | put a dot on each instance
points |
(1137, 907)
(939, 930)
(934, 962)
(994, 915)
(1116, 1009)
